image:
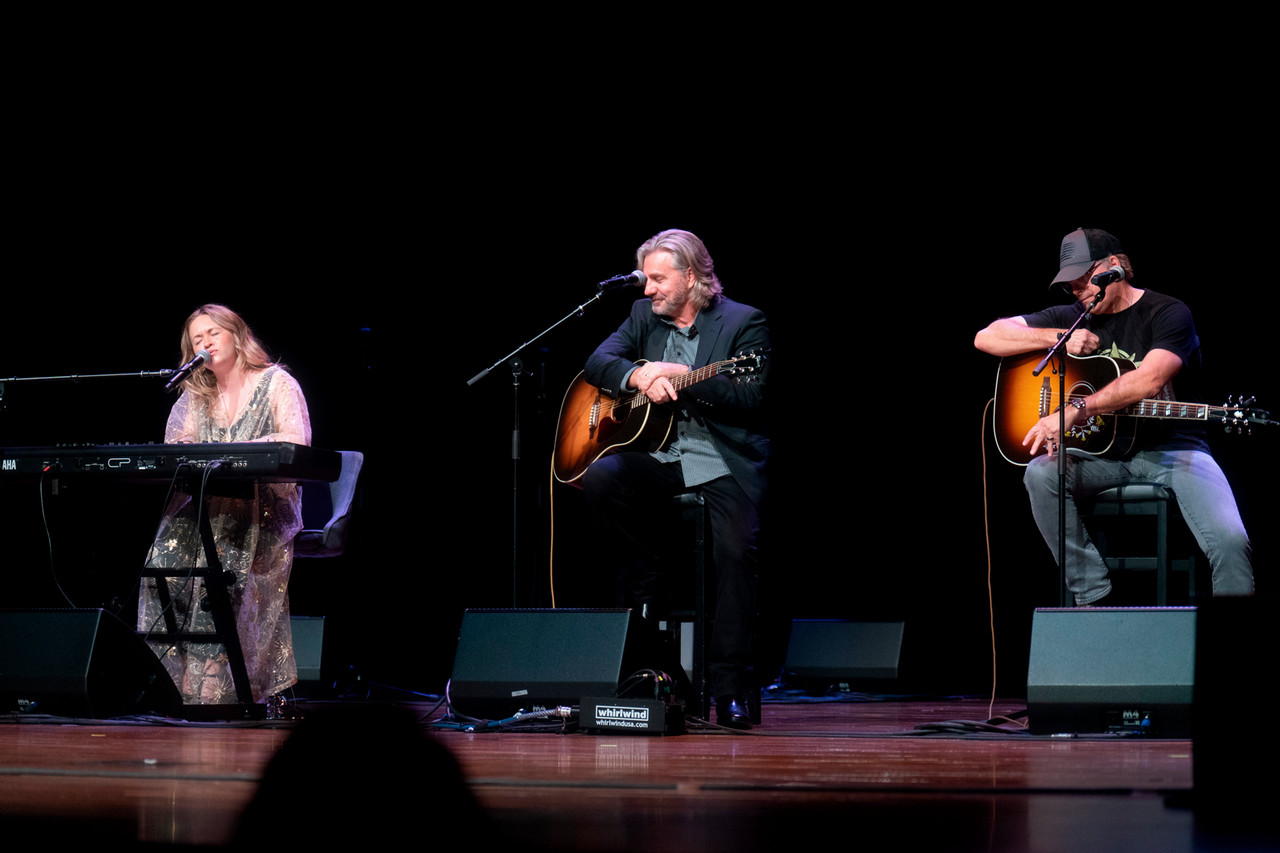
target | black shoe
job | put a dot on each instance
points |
(732, 713)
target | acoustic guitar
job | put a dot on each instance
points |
(1023, 399)
(592, 424)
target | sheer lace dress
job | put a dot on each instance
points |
(254, 537)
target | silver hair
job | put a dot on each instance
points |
(687, 253)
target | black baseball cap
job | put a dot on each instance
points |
(1080, 249)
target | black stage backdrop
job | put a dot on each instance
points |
(386, 277)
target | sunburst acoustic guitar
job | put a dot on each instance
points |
(1022, 399)
(592, 424)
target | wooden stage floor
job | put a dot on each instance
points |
(849, 773)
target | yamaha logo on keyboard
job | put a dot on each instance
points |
(9, 465)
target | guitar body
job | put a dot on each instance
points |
(1023, 399)
(592, 425)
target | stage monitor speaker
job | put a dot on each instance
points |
(308, 644)
(79, 663)
(509, 660)
(1112, 669)
(840, 651)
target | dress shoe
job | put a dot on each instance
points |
(732, 713)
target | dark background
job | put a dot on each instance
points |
(388, 248)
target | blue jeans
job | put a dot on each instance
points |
(1202, 492)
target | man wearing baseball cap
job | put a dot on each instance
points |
(1156, 333)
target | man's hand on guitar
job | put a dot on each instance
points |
(652, 380)
(1083, 342)
(1045, 432)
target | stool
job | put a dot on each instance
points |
(692, 507)
(1148, 500)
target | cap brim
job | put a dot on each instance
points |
(1071, 273)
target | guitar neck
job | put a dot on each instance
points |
(693, 377)
(1171, 410)
(684, 380)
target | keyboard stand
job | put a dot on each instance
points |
(216, 585)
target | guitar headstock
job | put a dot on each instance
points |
(745, 367)
(1240, 417)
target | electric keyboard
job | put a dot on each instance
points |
(265, 461)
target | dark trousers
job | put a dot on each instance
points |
(629, 496)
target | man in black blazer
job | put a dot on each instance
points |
(720, 446)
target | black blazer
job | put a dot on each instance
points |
(733, 411)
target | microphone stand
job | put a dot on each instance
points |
(1058, 353)
(517, 369)
(76, 377)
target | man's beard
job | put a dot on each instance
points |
(673, 305)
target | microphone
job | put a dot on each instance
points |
(187, 369)
(635, 277)
(1102, 279)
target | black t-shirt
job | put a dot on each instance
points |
(1155, 321)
